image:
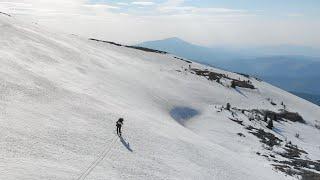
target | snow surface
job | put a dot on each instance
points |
(60, 96)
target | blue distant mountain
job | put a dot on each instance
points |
(293, 68)
(309, 97)
(191, 51)
(292, 73)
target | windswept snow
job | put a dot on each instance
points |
(60, 96)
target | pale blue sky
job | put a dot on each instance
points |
(204, 22)
(307, 8)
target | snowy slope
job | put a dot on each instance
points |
(60, 96)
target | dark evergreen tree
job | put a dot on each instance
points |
(265, 118)
(233, 84)
(270, 124)
(228, 106)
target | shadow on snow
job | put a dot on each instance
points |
(125, 144)
(183, 114)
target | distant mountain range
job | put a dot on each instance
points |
(185, 49)
(208, 54)
(293, 68)
(309, 97)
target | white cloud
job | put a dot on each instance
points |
(100, 6)
(122, 4)
(196, 10)
(173, 3)
(143, 3)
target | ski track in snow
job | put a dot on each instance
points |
(60, 96)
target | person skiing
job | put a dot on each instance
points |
(119, 125)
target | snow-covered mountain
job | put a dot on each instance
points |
(60, 96)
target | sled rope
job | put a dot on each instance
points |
(101, 156)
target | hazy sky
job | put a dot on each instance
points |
(205, 22)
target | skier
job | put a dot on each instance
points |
(119, 125)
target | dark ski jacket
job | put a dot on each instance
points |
(119, 123)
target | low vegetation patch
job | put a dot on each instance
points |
(147, 49)
(291, 116)
(243, 84)
(266, 138)
(213, 76)
(248, 76)
(306, 169)
(284, 115)
(242, 74)
(181, 59)
(241, 135)
(5, 14)
(209, 74)
(132, 47)
(292, 162)
(109, 42)
(237, 121)
(317, 125)
(292, 151)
